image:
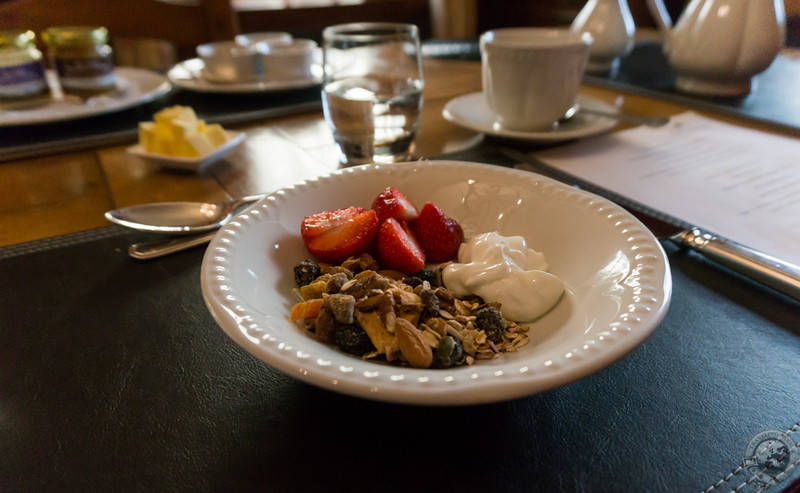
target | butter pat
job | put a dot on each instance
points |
(215, 133)
(176, 131)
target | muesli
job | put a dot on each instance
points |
(407, 319)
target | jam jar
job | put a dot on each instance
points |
(82, 59)
(22, 76)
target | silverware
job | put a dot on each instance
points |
(650, 121)
(158, 248)
(179, 217)
(775, 273)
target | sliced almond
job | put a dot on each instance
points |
(413, 344)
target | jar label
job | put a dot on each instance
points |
(22, 80)
(85, 73)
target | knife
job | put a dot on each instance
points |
(770, 271)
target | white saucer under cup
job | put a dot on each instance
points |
(472, 111)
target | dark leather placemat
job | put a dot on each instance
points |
(114, 377)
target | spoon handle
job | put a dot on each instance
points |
(154, 249)
(650, 121)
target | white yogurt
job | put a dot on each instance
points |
(504, 270)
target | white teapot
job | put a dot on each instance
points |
(717, 46)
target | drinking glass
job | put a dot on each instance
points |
(372, 90)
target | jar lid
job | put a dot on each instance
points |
(75, 35)
(16, 39)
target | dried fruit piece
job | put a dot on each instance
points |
(325, 325)
(398, 249)
(352, 339)
(393, 203)
(439, 235)
(306, 309)
(305, 272)
(333, 236)
(491, 321)
(413, 344)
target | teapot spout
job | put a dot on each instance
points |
(660, 15)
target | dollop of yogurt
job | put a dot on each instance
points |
(503, 269)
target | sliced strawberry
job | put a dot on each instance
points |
(333, 236)
(439, 235)
(398, 249)
(392, 203)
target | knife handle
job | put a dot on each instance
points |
(777, 274)
(155, 249)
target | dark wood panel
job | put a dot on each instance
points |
(309, 22)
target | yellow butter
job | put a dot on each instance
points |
(147, 136)
(177, 112)
(200, 143)
(215, 133)
(176, 131)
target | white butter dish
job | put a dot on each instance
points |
(192, 163)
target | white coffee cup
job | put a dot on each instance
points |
(287, 62)
(228, 61)
(272, 38)
(531, 76)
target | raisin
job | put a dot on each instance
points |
(352, 339)
(412, 281)
(491, 321)
(426, 275)
(305, 272)
(448, 353)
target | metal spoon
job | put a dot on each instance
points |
(650, 121)
(179, 217)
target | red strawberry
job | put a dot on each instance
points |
(392, 203)
(439, 235)
(398, 249)
(333, 236)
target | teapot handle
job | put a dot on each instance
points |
(660, 14)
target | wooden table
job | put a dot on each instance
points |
(66, 193)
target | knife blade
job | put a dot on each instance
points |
(770, 271)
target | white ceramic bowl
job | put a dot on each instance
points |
(617, 276)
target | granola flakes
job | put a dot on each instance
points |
(359, 296)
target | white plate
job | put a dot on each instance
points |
(192, 164)
(187, 75)
(135, 86)
(473, 112)
(617, 276)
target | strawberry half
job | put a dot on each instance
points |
(439, 234)
(391, 202)
(333, 236)
(397, 247)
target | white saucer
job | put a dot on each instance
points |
(473, 112)
(189, 75)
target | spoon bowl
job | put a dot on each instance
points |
(179, 218)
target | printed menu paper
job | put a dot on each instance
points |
(739, 183)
